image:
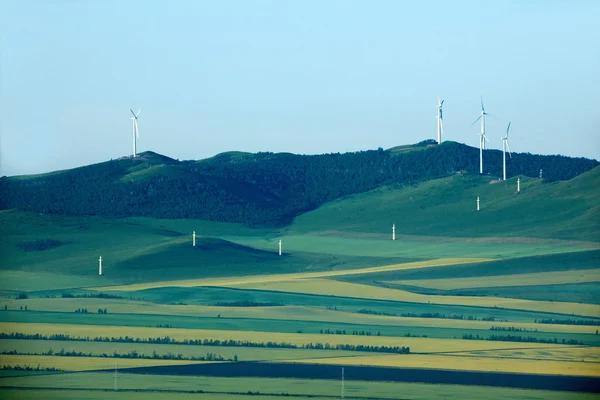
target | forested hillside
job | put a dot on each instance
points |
(256, 189)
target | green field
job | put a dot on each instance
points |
(491, 291)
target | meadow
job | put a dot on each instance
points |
(500, 295)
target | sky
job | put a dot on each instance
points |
(303, 76)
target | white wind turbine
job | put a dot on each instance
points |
(482, 137)
(440, 121)
(505, 147)
(136, 133)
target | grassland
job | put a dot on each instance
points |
(439, 207)
(541, 278)
(274, 278)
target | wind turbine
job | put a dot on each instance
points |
(505, 147)
(440, 127)
(482, 137)
(136, 133)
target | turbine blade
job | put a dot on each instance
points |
(482, 109)
(135, 116)
(508, 148)
(138, 113)
(442, 103)
(485, 137)
(137, 132)
(508, 128)
(476, 121)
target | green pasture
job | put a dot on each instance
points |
(299, 387)
(447, 207)
(406, 247)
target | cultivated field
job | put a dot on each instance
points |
(341, 295)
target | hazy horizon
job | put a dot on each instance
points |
(304, 77)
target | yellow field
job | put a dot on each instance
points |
(297, 313)
(345, 289)
(85, 363)
(540, 278)
(286, 277)
(466, 364)
(418, 345)
(573, 353)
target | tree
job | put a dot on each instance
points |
(21, 308)
(22, 296)
(6, 309)
(25, 307)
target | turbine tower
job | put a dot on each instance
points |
(505, 147)
(440, 121)
(136, 133)
(482, 137)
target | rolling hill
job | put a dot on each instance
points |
(262, 189)
(447, 207)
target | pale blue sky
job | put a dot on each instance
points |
(299, 76)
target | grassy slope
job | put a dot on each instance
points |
(446, 207)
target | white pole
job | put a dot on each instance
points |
(481, 154)
(342, 382)
(133, 120)
(100, 266)
(518, 185)
(504, 159)
(279, 246)
(194, 239)
(483, 130)
(439, 134)
(393, 231)
(477, 203)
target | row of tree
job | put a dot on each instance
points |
(515, 338)
(208, 342)
(130, 354)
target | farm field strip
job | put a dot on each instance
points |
(387, 390)
(86, 363)
(533, 279)
(583, 354)
(344, 289)
(273, 278)
(297, 313)
(416, 344)
(460, 363)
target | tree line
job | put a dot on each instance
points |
(427, 315)
(256, 189)
(515, 338)
(207, 342)
(130, 354)
(567, 322)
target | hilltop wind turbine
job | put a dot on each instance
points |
(440, 121)
(136, 133)
(482, 137)
(505, 147)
